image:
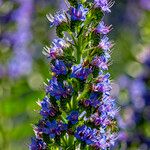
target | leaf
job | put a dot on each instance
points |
(61, 28)
(95, 72)
(73, 2)
(97, 14)
(74, 24)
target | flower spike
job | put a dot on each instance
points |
(78, 111)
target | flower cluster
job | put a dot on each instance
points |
(135, 106)
(78, 13)
(21, 62)
(94, 137)
(78, 110)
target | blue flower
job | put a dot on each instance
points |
(79, 134)
(101, 62)
(94, 99)
(85, 134)
(105, 44)
(105, 5)
(73, 117)
(59, 68)
(55, 88)
(60, 43)
(62, 126)
(57, 49)
(96, 138)
(102, 28)
(37, 144)
(54, 128)
(51, 129)
(47, 109)
(109, 106)
(101, 143)
(58, 89)
(57, 19)
(103, 84)
(86, 103)
(79, 13)
(80, 72)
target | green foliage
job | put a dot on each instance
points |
(61, 28)
(73, 2)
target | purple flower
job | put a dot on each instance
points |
(80, 72)
(55, 52)
(100, 120)
(94, 99)
(101, 143)
(37, 144)
(102, 28)
(123, 136)
(21, 62)
(54, 128)
(92, 137)
(84, 134)
(79, 13)
(57, 49)
(73, 117)
(38, 129)
(101, 62)
(103, 84)
(105, 44)
(145, 4)
(108, 105)
(57, 19)
(57, 89)
(47, 109)
(59, 68)
(62, 126)
(86, 103)
(61, 43)
(105, 5)
(137, 89)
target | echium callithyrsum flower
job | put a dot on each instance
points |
(78, 111)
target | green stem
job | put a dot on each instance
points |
(64, 141)
(78, 55)
(4, 142)
(85, 91)
(77, 46)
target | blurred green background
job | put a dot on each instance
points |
(18, 95)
